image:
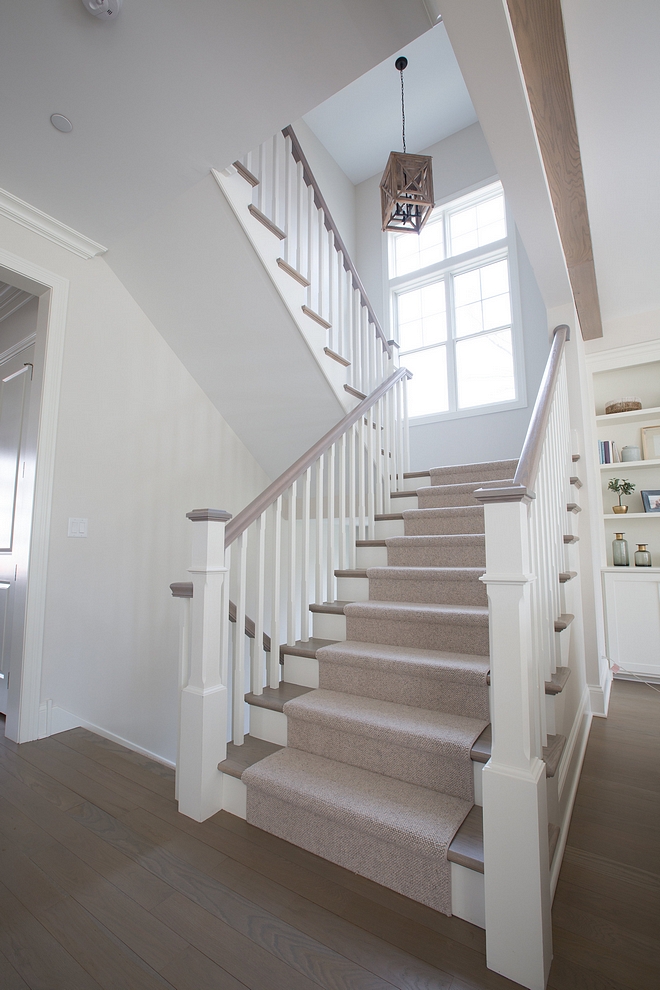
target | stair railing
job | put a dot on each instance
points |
(274, 559)
(286, 194)
(525, 545)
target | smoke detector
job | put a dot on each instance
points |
(103, 9)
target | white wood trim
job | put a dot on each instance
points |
(17, 348)
(53, 230)
(35, 607)
(580, 732)
(621, 357)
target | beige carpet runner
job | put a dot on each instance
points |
(377, 774)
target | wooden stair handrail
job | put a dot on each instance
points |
(247, 516)
(184, 589)
(320, 203)
(528, 465)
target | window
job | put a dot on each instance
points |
(451, 307)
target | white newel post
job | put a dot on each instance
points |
(516, 869)
(203, 699)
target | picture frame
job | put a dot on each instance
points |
(651, 442)
(651, 500)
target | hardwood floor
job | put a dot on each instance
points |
(104, 885)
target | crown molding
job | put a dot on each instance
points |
(29, 216)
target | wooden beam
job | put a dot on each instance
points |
(538, 30)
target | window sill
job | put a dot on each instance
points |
(441, 417)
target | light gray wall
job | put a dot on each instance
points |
(19, 325)
(338, 190)
(460, 162)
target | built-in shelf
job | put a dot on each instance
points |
(631, 570)
(628, 417)
(620, 517)
(651, 462)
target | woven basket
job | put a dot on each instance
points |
(628, 404)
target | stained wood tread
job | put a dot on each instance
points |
(313, 315)
(293, 272)
(570, 538)
(417, 474)
(575, 457)
(351, 574)
(575, 481)
(565, 576)
(410, 494)
(558, 680)
(370, 543)
(275, 698)
(268, 224)
(563, 622)
(354, 391)
(246, 173)
(239, 758)
(481, 751)
(384, 516)
(304, 648)
(573, 507)
(332, 608)
(467, 846)
(337, 357)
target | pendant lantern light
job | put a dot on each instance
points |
(406, 188)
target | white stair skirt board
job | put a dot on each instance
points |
(353, 589)
(234, 796)
(269, 725)
(328, 625)
(301, 670)
(371, 557)
(384, 528)
(467, 886)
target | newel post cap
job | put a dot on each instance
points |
(209, 515)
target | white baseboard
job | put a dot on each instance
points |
(569, 772)
(599, 696)
(53, 719)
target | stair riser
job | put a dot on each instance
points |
(370, 557)
(352, 589)
(444, 525)
(328, 626)
(268, 725)
(412, 484)
(420, 635)
(433, 557)
(384, 528)
(399, 504)
(445, 499)
(456, 476)
(428, 592)
(422, 691)
(426, 769)
(301, 670)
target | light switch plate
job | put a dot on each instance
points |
(77, 527)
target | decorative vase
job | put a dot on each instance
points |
(642, 556)
(631, 453)
(620, 556)
(619, 509)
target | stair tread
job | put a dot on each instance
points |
(415, 573)
(443, 510)
(481, 751)
(330, 608)
(386, 516)
(565, 576)
(415, 816)
(403, 494)
(355, 573)
(417, 474)
(463, 486)
(370, 543)
(470, 614)
(467, 846)
(563, 621)
(392, 722)
(239, 758)
(558, 680)
(467, 667)
(305, 648)
(275, 698)
(435, 539)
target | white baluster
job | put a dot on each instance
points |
(406, 433)
(352, 529)
(332, 313)
(275, 172)
(305, 555)
(300, 215)
(379, 459)
(238, 708)
(330, 534)
(318, 583)
(341, 453)
(362, 514)
(292, 562)
(275, 621)
(370, 489)
(262, 179)
(311, 212)
(320, 266)
(289, 201)
(257, 669)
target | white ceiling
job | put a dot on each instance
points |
(360, 125)
(168, 90)
(615, 74)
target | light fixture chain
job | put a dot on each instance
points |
(403, 114)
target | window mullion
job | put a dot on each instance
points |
(452, 389)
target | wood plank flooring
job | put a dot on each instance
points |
(104, 885)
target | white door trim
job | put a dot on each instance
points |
(30, 674)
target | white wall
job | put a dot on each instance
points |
(634, 328)
(460, 162)
(19, 325)
(138, 445)
(338, 190)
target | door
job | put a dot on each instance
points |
(15, 384)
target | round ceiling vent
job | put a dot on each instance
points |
(61, 122)
(104, 9)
